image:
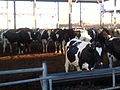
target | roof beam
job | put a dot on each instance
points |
(84, 1)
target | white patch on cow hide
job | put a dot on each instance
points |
(85, 36)
(30, 35)
(99, 50)
(57, 35)
(82, 45)
(85, 66)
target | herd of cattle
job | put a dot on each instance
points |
(90, 54)
(84, 49)
(20, 41)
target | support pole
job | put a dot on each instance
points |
(58, 14)
(114, 15)
(34, 14)
(14, 14)
(7, 14)
(113, 71)
(80, 15)
(45, 83)
(111, 20)
(102, 14)
(70, 12)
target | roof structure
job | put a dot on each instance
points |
(85, 1)
(112, 11)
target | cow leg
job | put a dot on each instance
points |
(4, 45)
(110, 58)
(44, 45)
(11, 48)
(67, 66)
(76, 62)
(63, 46)
(78, 68)
(67, 63)
(55, 47)
(5, 41)
(58, 47)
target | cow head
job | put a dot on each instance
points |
(97, 54)
(104, 32)
(92, 32)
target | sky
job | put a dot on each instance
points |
(47, 13)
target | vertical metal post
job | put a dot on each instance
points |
(102, 14)
(14, 14)
(111, 19)
(80, 15)
(34, 13)
(113, 77)
(70, 12)
(113, 71)
(7, 13)
(58, 14)
(44, 82)
(115, 15)
(50, 84)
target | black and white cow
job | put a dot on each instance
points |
(82, 55)
(113, 49)
(45, 38)
(84, 36)
(22, 37)
(60, 38)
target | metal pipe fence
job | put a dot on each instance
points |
(44, 77)
(47, 80)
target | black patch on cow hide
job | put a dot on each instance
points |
(71, 53)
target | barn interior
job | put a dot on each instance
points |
(55, 62)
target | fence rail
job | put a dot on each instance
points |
(44, 77)
(62, 77)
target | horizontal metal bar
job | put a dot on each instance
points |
(24, 81)
(62, 77)
(20, 71)
(111, 88)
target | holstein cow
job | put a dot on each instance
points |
(45, 37)
(57, 36)
(113, 49)
(22, 37)
(61, 37)
(84, 36)
(82, 55)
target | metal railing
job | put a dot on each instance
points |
(48, 79)
(44, 77)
